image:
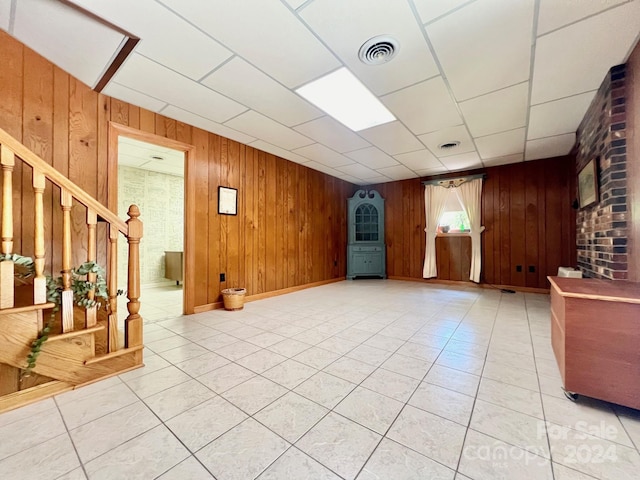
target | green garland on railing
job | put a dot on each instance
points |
(54, 287)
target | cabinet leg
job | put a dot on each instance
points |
(570, 395)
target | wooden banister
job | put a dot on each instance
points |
(59, 179)
(70, 196)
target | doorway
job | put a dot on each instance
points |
(152, 177)
(150, 171)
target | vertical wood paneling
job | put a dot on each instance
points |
(526, 212)
(291, 222)
(517, 224)
(60, 159)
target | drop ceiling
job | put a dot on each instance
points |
(509, 80)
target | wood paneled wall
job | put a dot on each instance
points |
(291, 224)
(526, 209)
(453, 257)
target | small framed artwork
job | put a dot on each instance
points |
(588, 183)
(227, 201)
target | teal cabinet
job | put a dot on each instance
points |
(365, 248)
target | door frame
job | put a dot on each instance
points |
(115, 131)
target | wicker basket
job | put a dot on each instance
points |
(233, 298)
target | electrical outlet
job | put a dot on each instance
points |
(518, 268)
(532, 269)
(335, 263)
(222, 277)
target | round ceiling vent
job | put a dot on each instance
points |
(448, 145)
(378, 50)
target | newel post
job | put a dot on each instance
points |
(133, 324)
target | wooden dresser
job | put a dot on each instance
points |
(173, 262)
(595, 332)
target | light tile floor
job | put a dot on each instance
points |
(363, 379)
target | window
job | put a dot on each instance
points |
(454, 218)
(366, 223)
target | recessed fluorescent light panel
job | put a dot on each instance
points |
(346, 99)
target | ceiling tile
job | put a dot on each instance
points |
(295, 3)
(359, 171)
(429, 10)
(257, 125)
(323, 155)
(498, 111)
(126, 94)
(425, 107)
(550, 146)
(484, 46)
(431, 171)
(372, 157)
(333, 134)
(261, 93)
(204, 123)
(350, 179)
(392, 138)
(559, 116)
(5, 14)
(270, 37)
(565, 66)
(147, 76)
(324, 169)
(279, 152)
(345, 26)
(459, 134)
(399, 172)
(164, 35)
(375, 180)
(419, 160)
(501, 144)
(462, 161)
(50, 27)
(494, 162)
(554, 14)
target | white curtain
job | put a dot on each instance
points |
(470, 196)
(435, 198)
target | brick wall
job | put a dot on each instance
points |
(602, 229)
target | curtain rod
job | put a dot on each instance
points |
(453, 182)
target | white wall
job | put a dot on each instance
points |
(161, 201)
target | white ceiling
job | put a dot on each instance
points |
(137, 154)
(510, 80)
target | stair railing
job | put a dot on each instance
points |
(70, 194)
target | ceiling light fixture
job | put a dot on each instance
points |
(341, 95)
(378, 50)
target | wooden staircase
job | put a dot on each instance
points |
(84, 345)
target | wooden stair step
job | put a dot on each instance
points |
(75, 333)
(116, 354)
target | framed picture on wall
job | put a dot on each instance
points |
(588, 183)
(227, 201)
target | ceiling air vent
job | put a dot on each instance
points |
(448, 145)
(378, 50)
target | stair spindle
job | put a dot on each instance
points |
(91, 314)
(66, 310)
(133, 324)
(7, 160)
(112, 333)
(40, 281)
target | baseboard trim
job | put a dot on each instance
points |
(469, 284)
(274, 293)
